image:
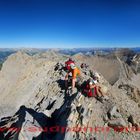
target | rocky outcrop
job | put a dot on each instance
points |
(132, 91)
(38, 106)
(116, 119)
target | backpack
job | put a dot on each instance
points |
(67, 64)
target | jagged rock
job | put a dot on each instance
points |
(29, 131)
(113, 112)
(119, 122)
(134, 62)
(105, 118)
(85, 120)
(58, 66)
(47, 113)
(132, 91)
(89, 113)
(63, 73)
(103, 89)
(79, 98)
(75, 90)
(133, 121)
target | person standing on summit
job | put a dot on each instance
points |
(75, 76)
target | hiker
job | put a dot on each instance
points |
(93, 90)
(75, 78)
(84, 69)
(67, 64)
(96, 77)
(84, 66)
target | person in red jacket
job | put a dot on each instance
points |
(93, 90)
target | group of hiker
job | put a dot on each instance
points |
(73, 77)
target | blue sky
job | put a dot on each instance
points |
(69, 23)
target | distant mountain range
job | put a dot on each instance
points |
(5, 52)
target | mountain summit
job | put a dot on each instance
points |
(35, 106)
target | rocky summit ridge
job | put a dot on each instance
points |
(35, 106)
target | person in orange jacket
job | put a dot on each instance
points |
(75, 75)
